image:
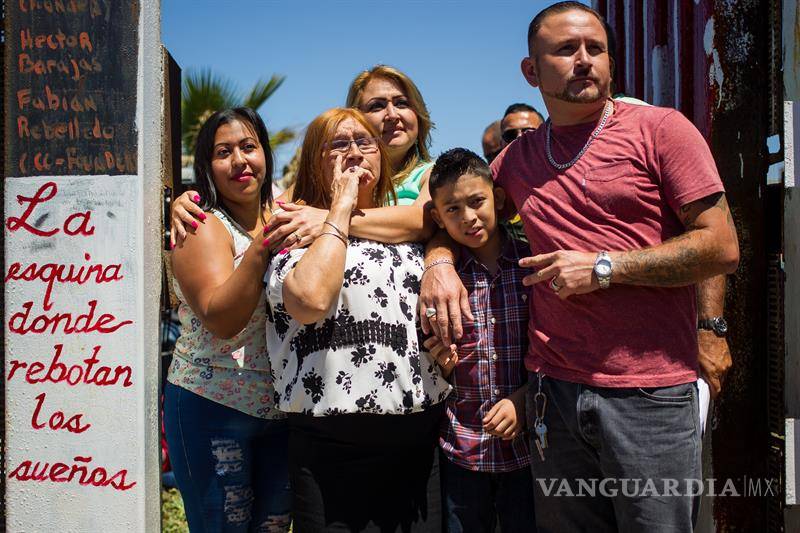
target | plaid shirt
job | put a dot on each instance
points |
(490, 362)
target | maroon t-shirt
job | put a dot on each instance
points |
(623, 194)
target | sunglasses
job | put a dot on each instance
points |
(512, 133)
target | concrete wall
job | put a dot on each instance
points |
(82, 225)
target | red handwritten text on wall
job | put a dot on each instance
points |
(75, 224)
(63, 473)
(89, 283)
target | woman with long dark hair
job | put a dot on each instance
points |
(227, 441)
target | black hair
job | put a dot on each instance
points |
(204, 149)
(520, 107)
(453, 164)
(562, 7)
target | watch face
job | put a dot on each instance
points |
(603, 269)
(720, 326)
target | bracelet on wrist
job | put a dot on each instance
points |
(342, 234)
(436, 263)
(344, 241)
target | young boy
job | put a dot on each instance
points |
(485, 457)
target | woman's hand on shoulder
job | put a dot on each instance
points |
(260, 251)
(294, 226)
(184, 214)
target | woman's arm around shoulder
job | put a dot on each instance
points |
(400, 223)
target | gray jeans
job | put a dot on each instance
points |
(617, 459)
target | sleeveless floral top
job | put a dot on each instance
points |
(233, 372)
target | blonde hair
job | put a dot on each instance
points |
(422, 152)
(310, 183)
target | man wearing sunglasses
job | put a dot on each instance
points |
(518, 119)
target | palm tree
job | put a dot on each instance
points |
(205, 92)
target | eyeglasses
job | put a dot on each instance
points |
(367, 145)
(512, 133)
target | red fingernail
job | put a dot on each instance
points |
(202, 216)
(266, 229)
(284, 251)
(279, 203)
(194, 224)
(265, 243)
(196, 198)
(172, 246)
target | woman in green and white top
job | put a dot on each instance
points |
(394, 106)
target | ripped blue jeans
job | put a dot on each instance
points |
(231, 468)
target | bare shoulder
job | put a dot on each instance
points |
(211, 239)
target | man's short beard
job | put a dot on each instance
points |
(566, 96)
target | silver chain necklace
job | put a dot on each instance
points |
(563, 166)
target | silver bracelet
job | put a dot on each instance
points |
(442, 261)
(335, 235)
(340, 232)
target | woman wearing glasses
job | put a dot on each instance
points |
(364, 402)
(393, 105)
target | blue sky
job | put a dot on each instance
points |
(463, 55)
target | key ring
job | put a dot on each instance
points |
(539, 400)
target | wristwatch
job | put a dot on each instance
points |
(717, 324)
(603, 269)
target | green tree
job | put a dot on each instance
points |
(204, 92)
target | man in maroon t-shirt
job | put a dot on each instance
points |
(625, 213)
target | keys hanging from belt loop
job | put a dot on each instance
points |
(539, 427)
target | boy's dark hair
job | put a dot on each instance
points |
(204, 149)
(562, 7)
(453, 164)
(521, 107)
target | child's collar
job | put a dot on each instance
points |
(507, 252)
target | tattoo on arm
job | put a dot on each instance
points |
(689, 212)
(682, 260)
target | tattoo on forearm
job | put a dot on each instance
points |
(679, 264)
(678, 261)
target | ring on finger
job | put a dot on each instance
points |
(554, 285)
(430, 312)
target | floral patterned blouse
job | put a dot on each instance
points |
(233, 372)
(364, 356)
